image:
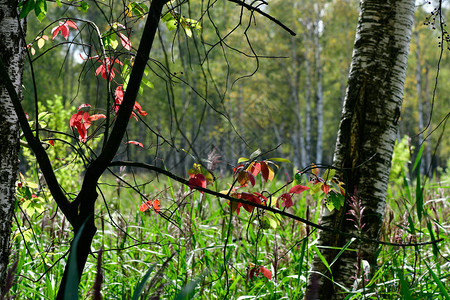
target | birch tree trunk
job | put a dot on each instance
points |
(366, 137)
(11, 54)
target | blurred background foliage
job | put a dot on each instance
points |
(206, 94)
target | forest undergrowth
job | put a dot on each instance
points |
(192, 248)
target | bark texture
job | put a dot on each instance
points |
(12, 55)
(366, 138)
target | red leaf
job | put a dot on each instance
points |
(106, 67)
(51, 142)
(82, 106)
(96, 117)
(156, 205)
(125, 41)
(251, 198)
(63, 27)
(298, 189)
(149, 204)
(264, 170)
(266, 272)
(135, 143)
(71, 24)
(325, 188)
(82, 121)
(286, 199)
(198, 180)
(119, 98)
(138, 107)
(255, 168)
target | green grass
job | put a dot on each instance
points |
(187, 254)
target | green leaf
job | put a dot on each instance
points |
(187, 29)
(27, 193)
(255, 154)
(140, 287)
(114, 43)
(242, 159)
(329, 204)
(167, 17)
(147, 83)
(40, 9)
(329, 174)
(279, 159)
(58, 2)
(172, 24)
(26, 8)
(84, 6)
(338, 200)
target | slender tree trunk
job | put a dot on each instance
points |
(423, 166)
(319, 92)
(427, 150)
(12, 56)
(366, 137)
(308, 156)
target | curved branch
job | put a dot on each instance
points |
(252, 8)
(268, 208)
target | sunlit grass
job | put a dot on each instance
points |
(207, 265)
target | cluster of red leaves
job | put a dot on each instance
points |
(286, 198)
(256, 270)
(155, 204)
(324, 182)
(245, 175)
(107, 68)
(82, 121)
(118, 101)
(63, 27)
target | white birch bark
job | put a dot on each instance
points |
(11, 53)
(366, 135)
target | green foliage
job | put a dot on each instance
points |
(197, 235)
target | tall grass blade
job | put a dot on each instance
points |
(342, 250)
(404, 287)
(418, 158)
(419, 195)
(71, 291)
(187, 292)
(324, 261)
(433, 239)
(439, 283)
(140, 287)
